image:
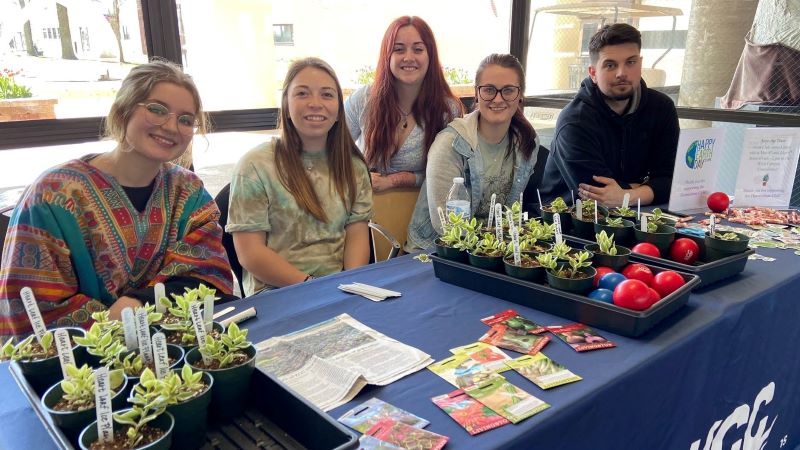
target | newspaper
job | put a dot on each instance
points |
(330, 362)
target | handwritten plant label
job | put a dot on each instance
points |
(442, 217)
(639, 208)
(199, 327)
(579, 209)
(557, 223)
(65, 356)
(643, 224)
(712, 225)
(626, 200)
(491, 216)
(520, 209)
(515, 243)
(595, 211)
(34, 316)
(102, 398)
(143, 336)
(159, 291)
(160, 355)
(129, 327)
(498, 226)
(208, 312)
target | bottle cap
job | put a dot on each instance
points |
(458, 180)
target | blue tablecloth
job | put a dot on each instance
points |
(723, 369)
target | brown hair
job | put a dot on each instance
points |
(522, 132)
(137, 86)
(433, 107)
(615, 34)
(340, 148)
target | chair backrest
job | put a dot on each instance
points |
(392, 210)
(4, 219)
(529, 197)
(223, 199)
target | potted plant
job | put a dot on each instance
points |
(487, 253)
(620, 212)
(657, 234)
(722, 245)
(557, 206)
(618, 228)
(188, 395)
(606, 253)
(232, 360)
(657, 217)
(181, 331)
(17, 101)
(584, 227)
(70, 403)
(540, 231)
(455, 240)
(191, 294)
(562, 251)
(146, 425)
(39, 362)
(528, 268)
(576, 276)
(133, 365)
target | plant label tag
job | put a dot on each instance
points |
(102, 398)
(643, 224)
(557, 223)
(442, 217)
(491, 216)
(524, 217)
(208, 312)
(65, 356)
(572, 194)
(199, 327)
(509, 219)
(579, 209)
(143, 336)
(498, 226)
(595, 211)
(639, 208)
(159, 291)
(541, 205)
(519, 219)
(626, 200)
(160, 355)
(129, 326)
(712, 225)
(515, 243)
(34, 316)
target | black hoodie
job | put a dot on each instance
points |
(591, 139)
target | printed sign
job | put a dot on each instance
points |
(767, 167)
(697, 163)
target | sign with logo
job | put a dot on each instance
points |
(696, 166)
(767, 167)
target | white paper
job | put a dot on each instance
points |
(767, 167)
(697, 163)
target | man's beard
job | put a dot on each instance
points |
(617, 98)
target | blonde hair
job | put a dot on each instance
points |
(137, 86)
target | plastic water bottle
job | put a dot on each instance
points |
(458, 199)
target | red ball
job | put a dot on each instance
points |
(667, 282)
(636, 271)
(654, 295)
(646, 248)
(633, 294)
(684, 250)
(602, 270)
(718, 202)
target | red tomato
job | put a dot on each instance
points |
(667, 282)
(646, 248)
(684, 250)
(636, 271)
(718, 202)
(602, 270)
(632, 294)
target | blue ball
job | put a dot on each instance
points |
(603, 295)
(611, 280)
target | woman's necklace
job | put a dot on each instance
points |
(405, 117)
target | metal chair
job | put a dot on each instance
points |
(223, 199)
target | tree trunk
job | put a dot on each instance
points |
(113, 20)
(67, 51)
(28, 39)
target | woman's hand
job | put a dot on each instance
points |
(115, 311)
(380, 182)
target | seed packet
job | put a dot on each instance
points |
(488, 355)
(406, 436)
(471, 414)
(506, 399)
(366, 442)
(580, 337)
(501, 336)
(460, 370)
(515, 323)
(363, 416)
(543, 371)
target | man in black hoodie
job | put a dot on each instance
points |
(617, 136)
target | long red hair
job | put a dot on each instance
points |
(433, 108)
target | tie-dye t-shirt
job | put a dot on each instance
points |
(259, 202)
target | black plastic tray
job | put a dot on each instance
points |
(276, 418)
(561, 303)
(709, 272)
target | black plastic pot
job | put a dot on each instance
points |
(662, 238)
(718, 248)
(229, 395)
(578, 286)
(523, 273)
(486, 262)
(622, 235)
(163, 422)
(566, 222)
(73, 422)
(191, 417)
(451, 253)
(43, 373)
(616, 262)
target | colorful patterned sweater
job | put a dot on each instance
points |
(79, 243)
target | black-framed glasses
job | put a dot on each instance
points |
(488, 92)
(158, 114)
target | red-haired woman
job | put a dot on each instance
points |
(395, 120)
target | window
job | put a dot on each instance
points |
(283, 34)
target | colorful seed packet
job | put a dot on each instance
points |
(406, 436)
(515, 323)
(362, 417)
(460, 370)
(580, 337)
(543, 371)
(488, 355)
(501, 336)
(471, 414)
(506, 399)
(366, 442)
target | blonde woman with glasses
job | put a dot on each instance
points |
(98, 232)
(494, 149)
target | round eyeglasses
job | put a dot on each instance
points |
(158, 114)
(488, 92)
